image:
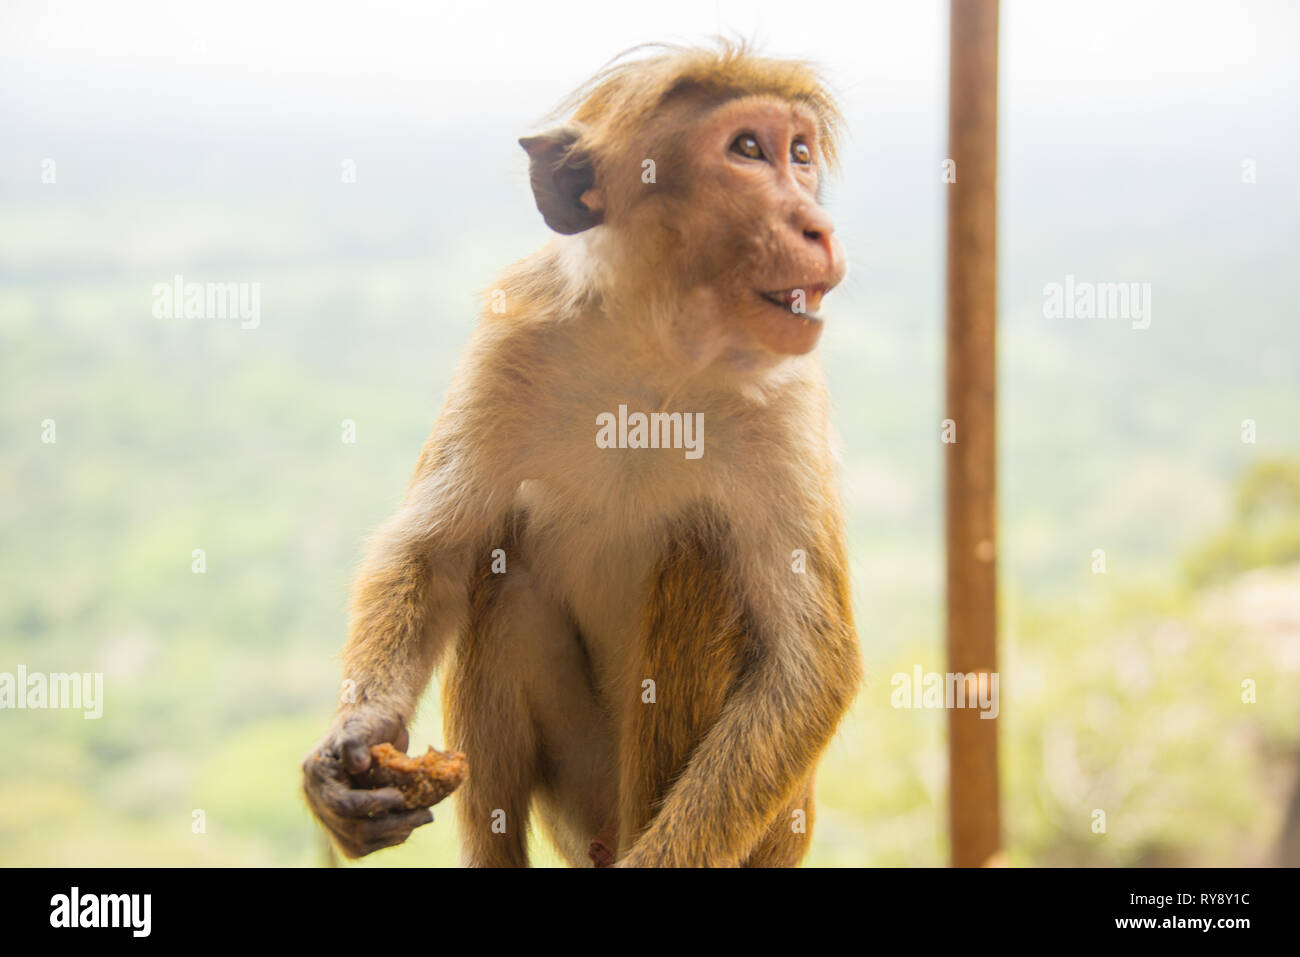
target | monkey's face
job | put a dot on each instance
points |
(714, 210)
(756, 232)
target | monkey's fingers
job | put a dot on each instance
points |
(331, 794)
(389, 829)
(365, 836)
(362, 730)
(359, 802)
(360, 821)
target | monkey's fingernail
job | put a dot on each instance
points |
(356, 756)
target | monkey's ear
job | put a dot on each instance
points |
(560, 176)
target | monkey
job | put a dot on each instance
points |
(644, 652)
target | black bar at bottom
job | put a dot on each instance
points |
(964, 908)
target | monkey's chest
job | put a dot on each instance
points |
(597, 575)
(596, 556)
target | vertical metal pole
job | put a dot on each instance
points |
(975, 827)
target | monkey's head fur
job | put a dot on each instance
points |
(686, 184)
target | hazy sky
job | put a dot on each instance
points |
(439, 64)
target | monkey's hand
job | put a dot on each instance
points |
(359, 820)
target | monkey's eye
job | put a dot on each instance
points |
(800, 153)
(747, 146)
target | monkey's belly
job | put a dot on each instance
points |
(598, 576)
(603, 586)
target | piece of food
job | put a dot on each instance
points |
(423, 780)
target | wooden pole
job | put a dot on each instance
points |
(974, 823)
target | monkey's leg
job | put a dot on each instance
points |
(520, 703)
(486, 713)
(576, 795)
(787, 838)
(693, 648)
(745, 706)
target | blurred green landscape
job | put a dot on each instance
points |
(1120, 692)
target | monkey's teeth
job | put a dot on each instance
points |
(802, 301)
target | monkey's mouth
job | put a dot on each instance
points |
(802, 302)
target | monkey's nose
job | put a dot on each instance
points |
(822, 239)
(817, 228)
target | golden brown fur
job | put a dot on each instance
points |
(630, 565)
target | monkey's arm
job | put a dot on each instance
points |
(410, 595)
(773, 727)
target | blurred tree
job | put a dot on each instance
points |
(1265, 528)
(1266, 531)
(1289, 846)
